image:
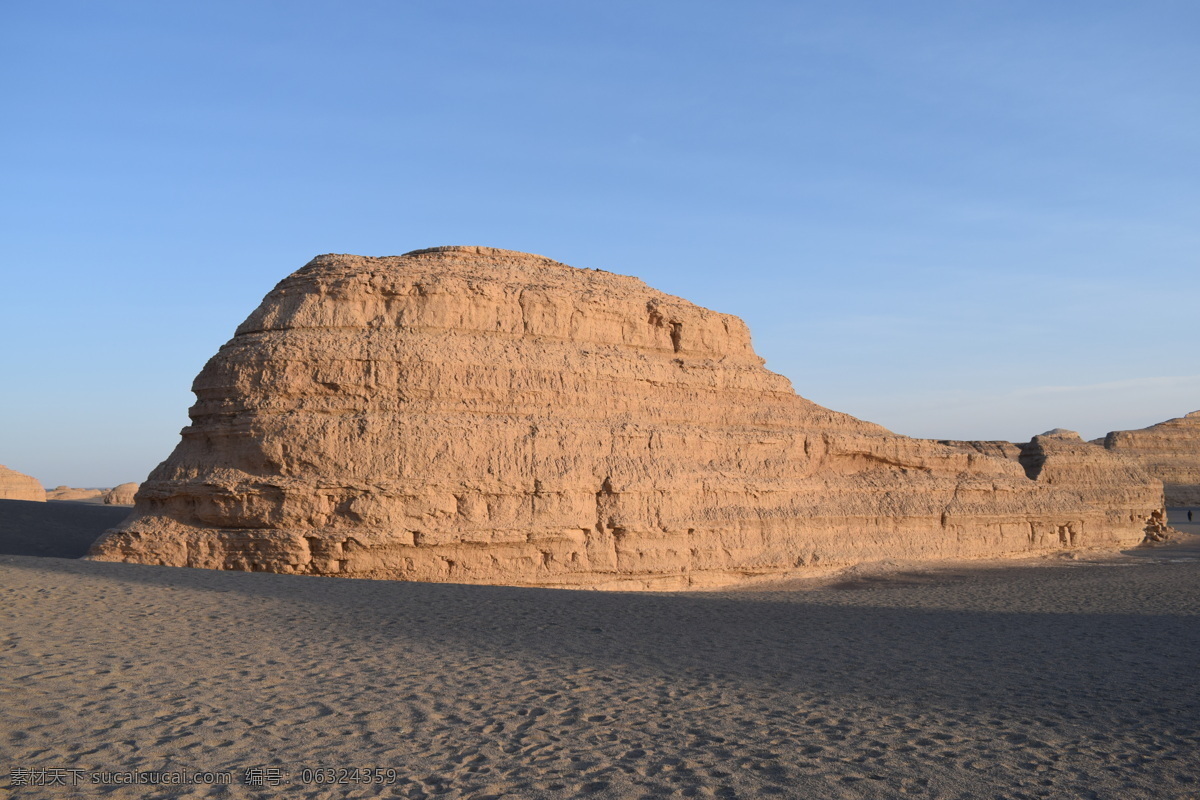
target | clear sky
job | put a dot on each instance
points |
(956, 219)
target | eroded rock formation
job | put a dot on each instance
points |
(121, 495)
(72, 493)
(18, 486)
(1114, 485)
(476, 415)
(1170, 451)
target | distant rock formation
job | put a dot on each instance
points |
(1170, 451)
(1093, 477)
(121, 495)
(473, 415)
(17, 486)
(71, 493)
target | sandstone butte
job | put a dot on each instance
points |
(18, 486)
(1170, 451)
(473, 415)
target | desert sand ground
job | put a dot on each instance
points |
(1057, 678)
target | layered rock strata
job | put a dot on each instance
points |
(1170, 451)
(482, 416)
(1117, 487)
(18, 486)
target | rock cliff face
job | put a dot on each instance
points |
(1170, 451)
(17, 486)
(1115, 486)
(121, 495)
(482, 416)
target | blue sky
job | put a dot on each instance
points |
(958, 219)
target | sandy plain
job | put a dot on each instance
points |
(1053, 678)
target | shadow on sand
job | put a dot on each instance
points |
(1084, 637)
(57, 529)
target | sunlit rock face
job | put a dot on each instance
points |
(474, 415)
(1170, 451)
(1115, 486)
(18, 486)
(121, 495)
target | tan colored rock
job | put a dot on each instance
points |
(18, 486)
(1170, 451)
(482, 416)
(996, 449)
(121, 495)
(1094, 477)
(73, 494)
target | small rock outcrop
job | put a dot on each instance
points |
(1170, 451)
(72, 493)
(473, 415)
(18, 486)
(121, 495)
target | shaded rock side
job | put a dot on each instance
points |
(121, 495)
(1170, 451)
(474, 415)
(19, 486)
